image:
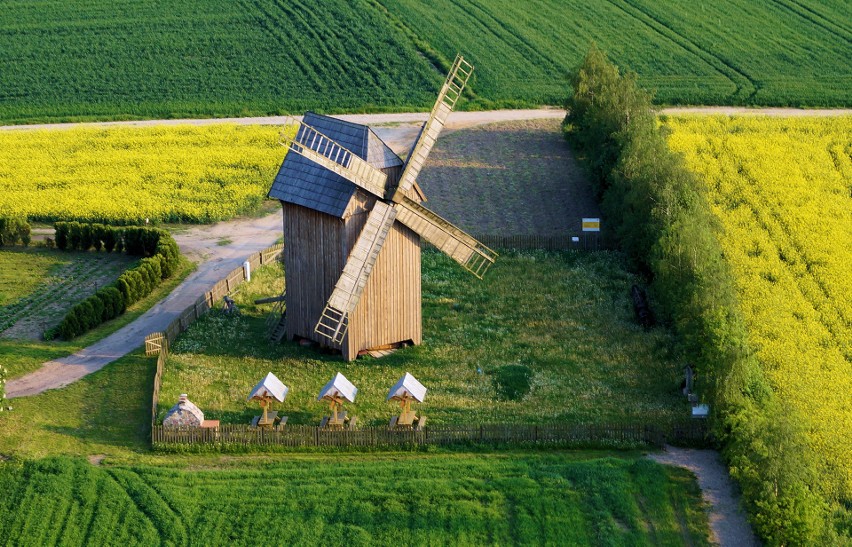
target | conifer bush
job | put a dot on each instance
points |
(160, 259)
(14, 230)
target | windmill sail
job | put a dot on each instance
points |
(324, 151)
(447, 98)
(467, 251)
(448, 238)
(347, 291)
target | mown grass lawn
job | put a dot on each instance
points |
(545, 338)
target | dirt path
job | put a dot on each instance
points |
(728, 524)
(457, 120)
(201, 244)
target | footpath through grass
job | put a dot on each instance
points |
(545, 338)
(460, 499)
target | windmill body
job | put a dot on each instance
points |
(324, 215)
(353, 222)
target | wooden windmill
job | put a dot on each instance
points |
(352, 228)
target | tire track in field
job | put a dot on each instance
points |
(727, 70)
(267, 23)
(781, 238)
(178, 533)
(299, 15)
(521, 39)
(818, 19)
(371, 71)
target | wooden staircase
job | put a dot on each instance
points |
(276, 323)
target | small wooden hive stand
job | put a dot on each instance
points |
(267, 390)
(407, 389)
(337, 390)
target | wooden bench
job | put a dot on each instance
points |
(342, 418)
(271, 416)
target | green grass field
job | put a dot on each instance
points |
(95, 59)
(553, 335)
(554, 498)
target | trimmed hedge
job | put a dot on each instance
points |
(161, 257)
(14, 230)
(660, 216)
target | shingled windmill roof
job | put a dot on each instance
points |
(303, 182)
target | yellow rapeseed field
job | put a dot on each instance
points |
(782, 189)
(127, 174)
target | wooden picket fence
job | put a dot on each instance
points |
(303, 436)
(590, 241)
(157, 343)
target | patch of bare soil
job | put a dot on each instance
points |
(96, 459)
(509, 178)
(75, 281)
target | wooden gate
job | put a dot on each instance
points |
(154, 343)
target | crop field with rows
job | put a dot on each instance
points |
(371, 500)
(732, 52)
(71, 60)
(781, 188)
(43, 285)
(201, 58)
(123, 175)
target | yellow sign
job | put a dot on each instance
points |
(591, 225)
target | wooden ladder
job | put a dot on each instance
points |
(276, 324)
(320, 149)
(450, 93)
(333, 321)
(464, 249)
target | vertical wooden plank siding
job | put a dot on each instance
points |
(313, 260)
(316, 251)
(389, 309)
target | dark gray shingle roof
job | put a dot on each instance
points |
(303, 182)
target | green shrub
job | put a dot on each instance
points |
(110, 237)
(98, 234)
(69, 327)
(14, 230)
(75, 235)
(132, 285)
(96, 316)
(61, 230)
(86, 237)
